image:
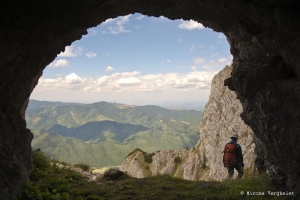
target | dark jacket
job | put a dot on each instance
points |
(239, 154)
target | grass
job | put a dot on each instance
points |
(62, 183)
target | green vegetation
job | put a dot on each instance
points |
(52, 182)
(177, 159)
(70, 115)
(102, 134)
(39, 160)
(82, 166)
(135, 150)
(147, 156)
(100, 154)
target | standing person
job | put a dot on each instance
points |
(233, 157)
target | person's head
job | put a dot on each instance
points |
(234, 137)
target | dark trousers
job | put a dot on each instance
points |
(238, 168)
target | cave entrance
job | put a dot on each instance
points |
(132, 60)
(261, 35)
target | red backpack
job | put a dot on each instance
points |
(229, 157)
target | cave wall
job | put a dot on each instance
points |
(264, 39)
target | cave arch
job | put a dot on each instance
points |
(264, 39)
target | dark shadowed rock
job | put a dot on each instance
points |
(113, 174)
(264, 38)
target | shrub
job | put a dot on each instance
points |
(135, 150)
(148, 157)
(82, 166)
(177, 159)
(39, 160)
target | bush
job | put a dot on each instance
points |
(147, 156)
(82, 166)
(39, 160)
(177, 159)
(135, 150)
(203, 166)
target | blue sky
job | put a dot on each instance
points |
(137, 59)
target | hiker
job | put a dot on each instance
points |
(233, 157)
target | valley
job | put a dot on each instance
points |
(103, 134)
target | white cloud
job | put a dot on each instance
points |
(190, 25)
(117, 29)
(198, 60)
(110, 20)
(221, 35)
(216, 64)
(71, 51)
(92, 32)
(49, 80)
(194, 68)
(116, 25)
(127, 86)
(168, 61)
(162, 18)
(179, 40)
(73, 79)
(125, 74)
(140, 17)
(102, 81)
(59, 63)
(90, 54)
(222, 60)
(109, 68)
(123, 20)
(128, 81)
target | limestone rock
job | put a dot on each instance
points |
(220, 120)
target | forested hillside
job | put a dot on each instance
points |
(102, 134)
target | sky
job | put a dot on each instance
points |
(139, 60)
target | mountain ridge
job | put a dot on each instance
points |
(63, 131)
(94, 129)
(76, 115)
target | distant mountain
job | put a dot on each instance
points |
(77, 115)
(193, 105)
(77, 132)
(35, 104)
